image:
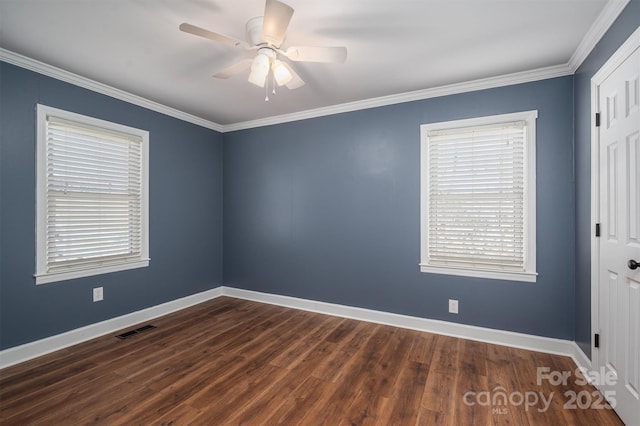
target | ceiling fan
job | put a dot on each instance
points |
(265, 34)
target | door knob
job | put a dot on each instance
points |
(632, 264)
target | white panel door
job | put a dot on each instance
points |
(619, 281)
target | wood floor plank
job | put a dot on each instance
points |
(181, 415)
(357, 339)
(279, 393)
(299, 402)
(407, 394)
(226, 404)
(231, 361)
(382, 374)
(422, 348)
(428, 417)
(439, 392)
(101, 407)
(354, 372)
(317, 331)
(502, 378)
(526, 364)
(344, 329)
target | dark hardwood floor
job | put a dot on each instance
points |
(229, 361)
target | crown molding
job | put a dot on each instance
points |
(605, 19)
(418, 95)
(603, 22)
(75, 79)
(452, 89)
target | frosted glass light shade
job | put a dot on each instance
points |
(259, 70)
(281, 73)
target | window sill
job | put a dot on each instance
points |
(496, 275)
(80, 273)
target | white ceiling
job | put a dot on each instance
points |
(393, 47)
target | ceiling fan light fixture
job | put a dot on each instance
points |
(281, 73)
(266, 34)
(260, 63)
(259, 70)
(257, 78)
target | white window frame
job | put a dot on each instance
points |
(42, 275)
(529, 274)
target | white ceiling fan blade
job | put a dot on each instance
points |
(296, 81)
(192, 29)
(234, 69)
(317, 54)
(276, 20)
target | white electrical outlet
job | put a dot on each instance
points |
(98, 294)
(453, 306)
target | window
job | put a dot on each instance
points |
(478, 197)
(91, 196)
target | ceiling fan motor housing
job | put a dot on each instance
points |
(254, 31)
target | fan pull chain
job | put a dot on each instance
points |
(266, 91)
(273, 81)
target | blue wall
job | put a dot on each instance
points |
(328, 209)
(624, 26)
(185, 213)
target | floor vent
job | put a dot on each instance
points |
(136, 331)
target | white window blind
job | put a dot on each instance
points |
(477, 198)
(93, 199)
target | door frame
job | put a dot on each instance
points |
(623, 52)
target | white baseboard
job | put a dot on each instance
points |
(31, 350)
(581, 359)
(41, 347)
(488, 335)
